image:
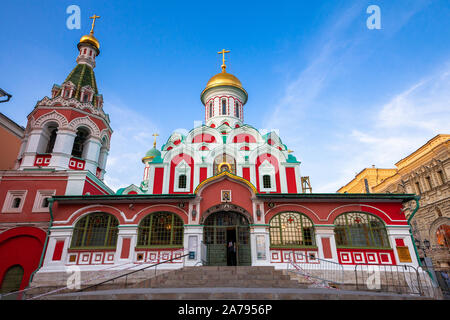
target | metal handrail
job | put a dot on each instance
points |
(126, 274)
(398, 278)
(335, 267)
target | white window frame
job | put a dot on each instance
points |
(40, 196)
(10, 196)
(267, 169)
(182, 168)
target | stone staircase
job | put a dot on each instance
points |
(217, 283)
(214, 277)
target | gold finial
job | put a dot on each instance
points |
(290, 151)
(93, 22)
(223, 58)
(154, 142)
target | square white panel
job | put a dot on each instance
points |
(275, 256)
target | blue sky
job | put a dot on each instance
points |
(343, 97)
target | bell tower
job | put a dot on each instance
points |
(70, 130)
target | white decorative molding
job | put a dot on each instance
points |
(85, 121)
(51, 116)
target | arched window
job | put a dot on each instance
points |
(53, 129)
(291, 229)
(12, 280)
(224, 106)
(182, 181)
(95, 230)
(443, 236)
(160, 229)
(236, 109)
(358, 229)
(210, 109)
(78, 144)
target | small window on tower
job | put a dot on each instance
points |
(16, 203)
(236, 108)
(266, 181)
(210, 109)
(84, 51)
(224, 106)
(182, 181)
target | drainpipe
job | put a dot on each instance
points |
(417, 198)
(50, 205)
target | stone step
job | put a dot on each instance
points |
(231, 293)
(220, 283)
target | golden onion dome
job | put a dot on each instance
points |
(89, 38)
(224, 79)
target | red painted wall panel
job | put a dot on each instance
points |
(57, 253)
(326, 246)
(158, 183)
(246, 173)
(203, 174)
(290, 179)
(125, 248)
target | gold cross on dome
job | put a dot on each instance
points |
(154, 142)
(93, 22)
(223, 58)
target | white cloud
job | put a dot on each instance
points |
(402, 125)
(382, 136)
(131, 139)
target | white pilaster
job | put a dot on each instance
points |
(62, 151)
(91, 154)
(259, 235)
(326, 232)
(193, 238)
(126, 232)
(402, 232)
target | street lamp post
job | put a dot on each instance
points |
(4, 94)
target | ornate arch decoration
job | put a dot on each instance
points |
(104, 135)
(34, 232)
(81, 212)
(224, 175)
(51, 116)
(182, 214)
(87, 122)
(226, 207)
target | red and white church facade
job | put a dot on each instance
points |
(223, 182)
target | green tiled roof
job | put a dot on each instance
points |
(82, 75)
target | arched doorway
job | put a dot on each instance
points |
(12, 280)
(226, 235)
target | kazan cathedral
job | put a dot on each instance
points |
(223, 185)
